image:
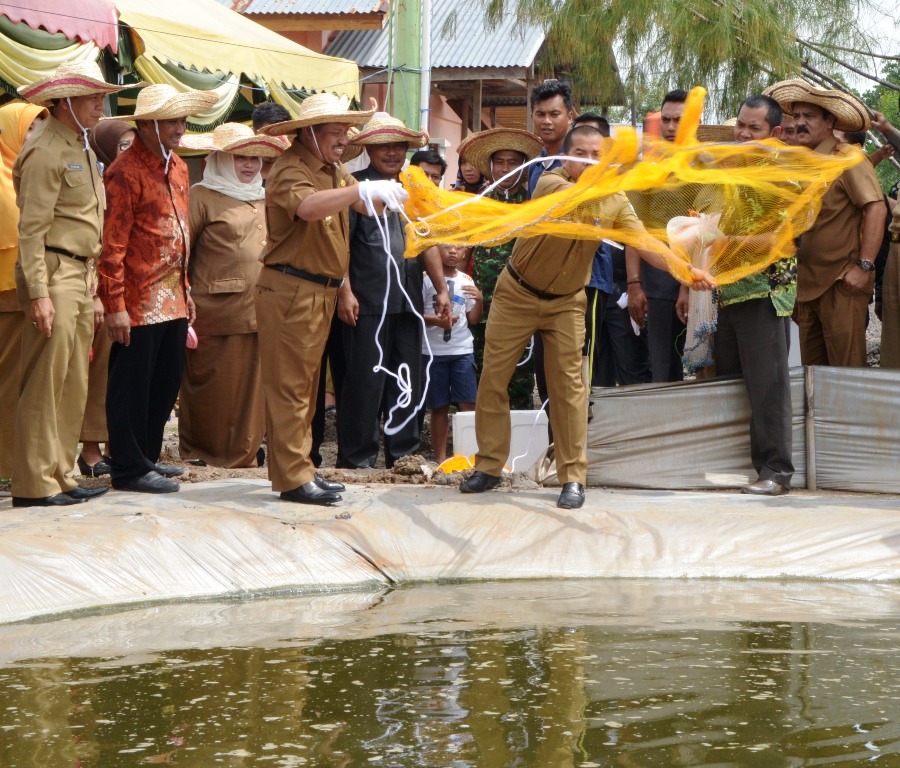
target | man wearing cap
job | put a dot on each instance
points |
(308, 194)
(368, 395)
(60, 196)
(496, 153)
(836, 257)
(542, 288)
(144, 286)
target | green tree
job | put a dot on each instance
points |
(885, 100)
(629, 49)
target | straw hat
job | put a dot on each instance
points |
(235, 139)
(478, 148)
(164, 102)
(351, 151)
(849, 113)
(715, 133)
(384, 129)
(318, 109)
(71, 78)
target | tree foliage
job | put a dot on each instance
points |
(732, 47)
(885, 101)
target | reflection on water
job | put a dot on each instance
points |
(565, 674)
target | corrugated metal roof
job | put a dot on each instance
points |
(306, 7)
(471, 45)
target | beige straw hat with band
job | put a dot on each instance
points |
(71, 79)
(235, 139)
(351, 151)
(318, 109)
(164, 102)
(849, 114)
(385, 129)
(480, 147)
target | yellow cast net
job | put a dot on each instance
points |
(765, 194)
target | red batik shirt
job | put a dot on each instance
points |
(143, 266)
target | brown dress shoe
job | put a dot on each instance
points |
(766, 488)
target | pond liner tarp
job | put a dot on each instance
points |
(235, 538)
(846, 432)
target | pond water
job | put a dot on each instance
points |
(542, 674)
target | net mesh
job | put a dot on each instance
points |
(765, 193)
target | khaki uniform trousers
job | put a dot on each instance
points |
(890, 310)
(53, 384)
(293, 318)
(833, 328)
(12, 321)
(515, 316)
(93, 427)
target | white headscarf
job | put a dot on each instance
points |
(220, 176)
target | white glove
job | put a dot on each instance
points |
(388, 191)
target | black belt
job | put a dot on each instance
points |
(895, 237)
(63, 252)
(328, 282)
(531, 289)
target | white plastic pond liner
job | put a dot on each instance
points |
(714, 605)
(234, 537)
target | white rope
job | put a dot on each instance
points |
(537, 418)
(402, 375)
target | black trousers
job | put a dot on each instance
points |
(334, 357)
(752, 341)
(144, 379)
(665, 336)
(622, 356)
(594, 320)
(368, 396)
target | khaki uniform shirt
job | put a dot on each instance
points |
(60, 196)
(561, 265)
(831, 248)
(227, 238)
(895, 220)
(321, 247)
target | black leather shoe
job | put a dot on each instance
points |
(168, 470)
(571, 497)
(479, 482)
(83, 494)
(57, 500)
(100, 468)
(152, 482)
(327, 485)
(310, 493)
(766, 488)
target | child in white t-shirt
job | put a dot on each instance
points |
(452, 374)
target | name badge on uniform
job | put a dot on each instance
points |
(75, 167)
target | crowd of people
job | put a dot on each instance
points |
(124, 289)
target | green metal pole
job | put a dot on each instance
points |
(408, 59)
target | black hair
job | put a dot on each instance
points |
(268, 113)
(428, 156)
(677, 96)
(774, 113)
(856, 137)
(581, 130)
(550, 88)
(602, 124)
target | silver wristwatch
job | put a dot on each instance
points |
(865, 265)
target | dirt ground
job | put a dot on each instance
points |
(417, 469)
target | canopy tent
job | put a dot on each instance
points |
(186, 43)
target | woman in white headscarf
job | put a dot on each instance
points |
(221, 420)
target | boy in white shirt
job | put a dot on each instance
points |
(452, 375)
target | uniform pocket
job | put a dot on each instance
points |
(75, 178)
(228, 285)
